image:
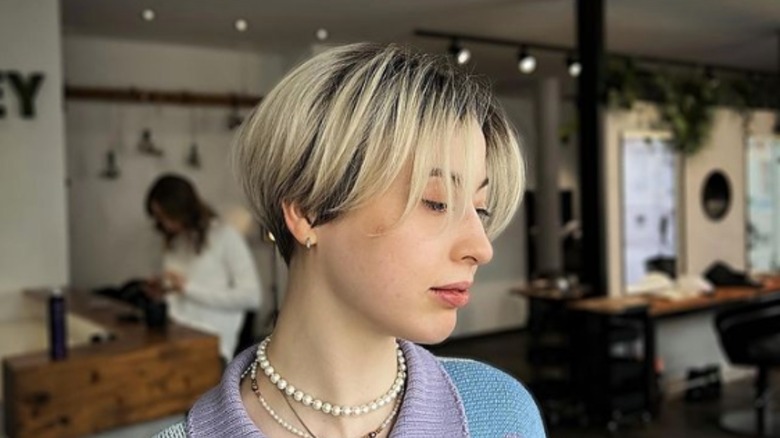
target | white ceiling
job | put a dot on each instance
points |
(739, 33)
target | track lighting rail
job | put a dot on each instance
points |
(533, 46)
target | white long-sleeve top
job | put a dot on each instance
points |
(221, 283)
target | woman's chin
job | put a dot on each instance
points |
(434, 333)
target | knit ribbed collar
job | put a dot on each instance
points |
(431, 405)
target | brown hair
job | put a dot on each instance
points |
(177, 198)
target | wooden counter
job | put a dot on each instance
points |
(663, 307)
(138, 375)
(658, 306)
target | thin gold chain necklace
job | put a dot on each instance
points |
(252, 372)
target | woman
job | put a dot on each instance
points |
(209, 279)
(381, 173)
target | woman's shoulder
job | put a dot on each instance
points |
(493, 398)
(223, 231)
(219, 226)
(473, 377)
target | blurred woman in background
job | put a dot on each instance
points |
(208, 276)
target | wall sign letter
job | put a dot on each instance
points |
(24, 87)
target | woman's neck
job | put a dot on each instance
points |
(323, 352)
(335, 357)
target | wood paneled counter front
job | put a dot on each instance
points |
(137, 375)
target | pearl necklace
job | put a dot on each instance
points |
(294, 430)
(326, 407)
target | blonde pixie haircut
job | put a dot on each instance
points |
(339, 129)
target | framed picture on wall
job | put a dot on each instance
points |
(649, 195)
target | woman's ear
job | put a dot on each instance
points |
(299, 225)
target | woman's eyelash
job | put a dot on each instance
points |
(441, 207)
(484, 213)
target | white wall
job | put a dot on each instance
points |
(688, 341)
(112, 238)
(33, 230)
(724, 150)
(107, 62)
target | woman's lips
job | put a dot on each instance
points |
(461, 285)
(451, 297)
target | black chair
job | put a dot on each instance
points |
(750, 335)
(667, 265)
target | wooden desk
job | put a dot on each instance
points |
(596, 325)
(662, 307)
(137, 376)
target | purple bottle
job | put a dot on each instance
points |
(58, 347)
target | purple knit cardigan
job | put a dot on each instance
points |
(431, 407)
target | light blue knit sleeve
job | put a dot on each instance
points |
(497, 405)
(174, 431)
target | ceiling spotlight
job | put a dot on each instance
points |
(461, 54)
(241, 25)
(525, 62)
(321, 34)
(574, 66)
(147, 14)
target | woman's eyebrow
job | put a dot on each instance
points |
(456, 179)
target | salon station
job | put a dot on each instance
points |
(636, 292)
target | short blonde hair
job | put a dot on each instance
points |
(338, 130)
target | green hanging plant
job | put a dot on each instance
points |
(686, 109)
(623, 83)
(687, 98)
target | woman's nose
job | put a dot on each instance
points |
(473, 244)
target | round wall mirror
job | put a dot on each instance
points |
(716, 195)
